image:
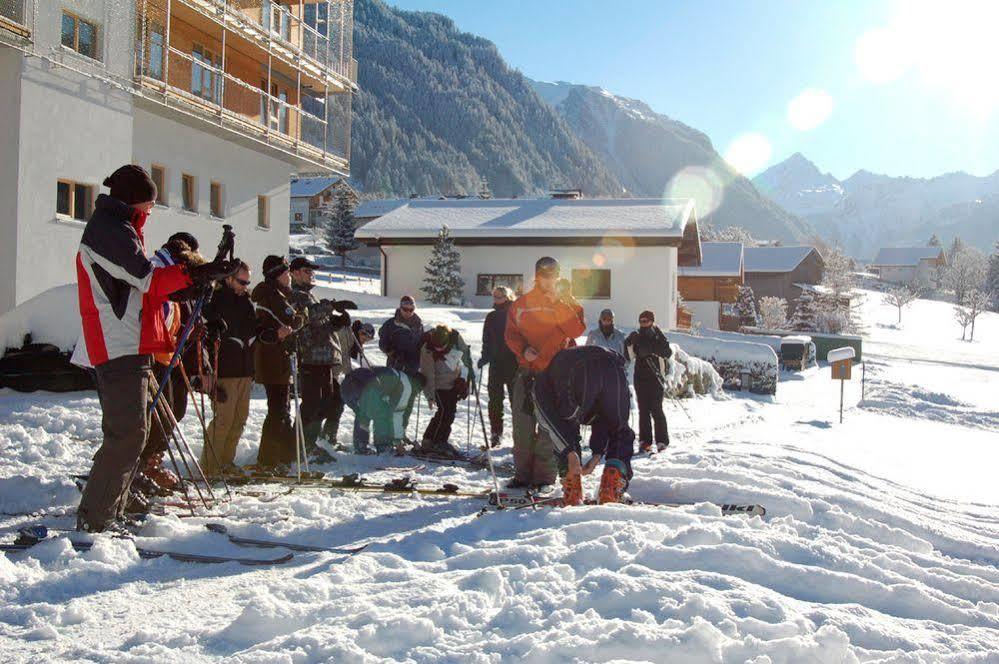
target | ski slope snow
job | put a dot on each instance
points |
(880, 544)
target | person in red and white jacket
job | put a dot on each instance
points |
(120, 334)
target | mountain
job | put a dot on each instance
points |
(646, 151)
(868, 210)
(439, 109)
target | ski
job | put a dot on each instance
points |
(354, 482)
(475, 461)
(272, 544)
(521, 501)
(26, 540)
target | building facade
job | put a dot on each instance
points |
(617, 253)
(916, 266)
(221, 101)
(782, 271)
(711, 288)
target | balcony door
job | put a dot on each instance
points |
(274, 17)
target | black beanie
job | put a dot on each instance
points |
(274, 267)
(186, 238)
(131, 185)
(648, 314)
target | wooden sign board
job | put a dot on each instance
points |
(841, 370)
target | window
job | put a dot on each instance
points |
(156, 50)
(79, 35)
(263, 212)
(205, 81)
(485, 284)
(273, 16)
(158, 173)
(216, 200)
(591, 284)
(74, 200)
(189, 192)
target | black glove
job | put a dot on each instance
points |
(321, 309)
(185, 294)
(339, 321)
(216, 328)
(214, 271)
(344, 305)
(461, 387)
(483, 361)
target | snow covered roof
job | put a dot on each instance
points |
(538, 217)
(379, 207)
(718, 259)
(774, 259)
(905, 256)
(308, 187)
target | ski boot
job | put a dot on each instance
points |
(163, 477)
(443, 450)
(517, 484)
(645, 447)
(495, 438)
(613, 482)
(572, 483)
(145, 484)
(319, 456)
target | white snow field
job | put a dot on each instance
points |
(880, 543)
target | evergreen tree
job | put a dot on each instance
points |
(443, 283)
(340, 227)
(934, 241)
(805, 314)
(955, 248)
(745, 307)
(992, 278)
(484, 192)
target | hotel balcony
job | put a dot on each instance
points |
(280, 74)
(15, 19)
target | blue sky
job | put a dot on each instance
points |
(911, 87)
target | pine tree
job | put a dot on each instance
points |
(340, 227)
(955, 248)
(745, 308)
(805, 314)
(992, 278)
(484, 192)
(443, 283)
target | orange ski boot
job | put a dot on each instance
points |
(612, 483)
(572, 482)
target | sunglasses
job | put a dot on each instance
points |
(408, 310)
(644, 321)
(243, 282)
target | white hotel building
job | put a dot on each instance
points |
(221, 100)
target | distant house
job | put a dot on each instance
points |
(909, 265)
(711, 288)
(308, 195)
(782, 271)
(618, 253)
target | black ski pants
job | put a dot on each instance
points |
(277, 437)
(439, 429)
(321, 403)
(651, 418)
(123, 387)
(499, 380)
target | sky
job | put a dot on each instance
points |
(906, 88)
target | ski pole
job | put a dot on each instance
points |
(173, 461)
(299, 439)
(209, 444)
(164, 423)
(183, 447)
(489, 450)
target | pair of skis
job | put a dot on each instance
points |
(33, 535)
(355, 482)
(527, 500)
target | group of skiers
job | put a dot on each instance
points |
(137, 309)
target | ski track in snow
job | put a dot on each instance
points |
(847, 566)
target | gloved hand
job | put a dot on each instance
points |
(483, 361)
(461, 387)
(344, 305)
(214, 271)
(339, 321)
(321, 309)
(186, 294)
(216, 328)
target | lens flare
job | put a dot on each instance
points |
(703, 184)
(809, 109)
(882, 55)
(749, 153)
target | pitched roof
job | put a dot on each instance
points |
(906, 256)
(539, 217)
(718, 259)
(308, 187)
(377, 208)
(775, 259)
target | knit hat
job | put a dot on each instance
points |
(647, 314)
(407, 299)
(186, 238)
(274, 266)
(439, 336)
(131, 185)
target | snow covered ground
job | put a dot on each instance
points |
(881, 542)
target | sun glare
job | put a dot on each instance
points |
(749, 153)
(809, 109)
(700, 183)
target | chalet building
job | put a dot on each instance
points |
(917, 266)
(781, 271)
(618, 253)
(309, 195)
(221, 101)
(711, 288)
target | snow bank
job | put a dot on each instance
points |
(735, 361)
(51, 317)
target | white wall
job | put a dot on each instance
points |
(641, 277)
(10, 117)
(299, 205)
(244, 173)
(704, 313)
(898, 275)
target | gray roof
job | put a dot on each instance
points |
(308, 187)
(377, 208)
(774, 259)
(718, 259)
(906, 256)
(540, 217)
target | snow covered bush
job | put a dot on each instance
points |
(443, 283)
(689, 375)
(740, 364)
(804, 318)
(773, 312)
